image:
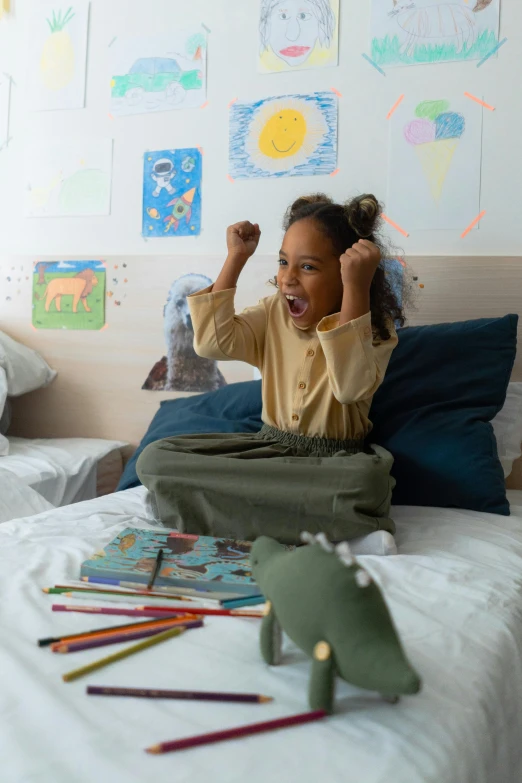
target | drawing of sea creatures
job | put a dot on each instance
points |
(447, 23)
(127, 542)
(181, 208)
(162, 174)
(79, 287)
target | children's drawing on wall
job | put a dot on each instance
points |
(182, 369)
(56, 54)
(172, 193)
(158, 74)
(292, 135)
(69, 295)
(295, 35)
(435, 163)
(69, 178)
(5, 92)
(412, 32)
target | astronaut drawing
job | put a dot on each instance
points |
(162, 174)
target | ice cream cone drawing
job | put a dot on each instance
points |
(435, 134)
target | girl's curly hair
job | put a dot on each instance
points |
(345, 224)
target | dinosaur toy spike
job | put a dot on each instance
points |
(344, 553)
(363, 578)
(307, 538)
(324, 543)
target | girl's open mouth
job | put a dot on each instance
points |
(296, 305)
(295, 51)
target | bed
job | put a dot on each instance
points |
(454, 591)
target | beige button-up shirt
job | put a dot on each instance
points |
(317, 382)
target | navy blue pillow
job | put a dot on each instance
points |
(443, 386)
(233, 408)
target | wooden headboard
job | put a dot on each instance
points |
(98, 390)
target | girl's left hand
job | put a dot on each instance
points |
(359, 263)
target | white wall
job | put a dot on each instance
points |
(363, 132)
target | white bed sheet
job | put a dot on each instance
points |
(61, 470)
(454, 591)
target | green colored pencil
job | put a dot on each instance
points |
(119, 656)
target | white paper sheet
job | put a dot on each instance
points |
(68, 178)
(435, 162)
(5, 91)
(158, 74)
(56, 54)
(415, 32)
(297, 35)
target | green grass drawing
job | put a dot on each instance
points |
(386, 51)
(66, 319)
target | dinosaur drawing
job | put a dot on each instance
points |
(333, 610)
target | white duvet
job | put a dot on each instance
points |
(456, 595)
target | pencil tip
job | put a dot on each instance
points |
(45, 589)
(264, 699)
(153, 749)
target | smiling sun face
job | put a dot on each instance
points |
(283, 134)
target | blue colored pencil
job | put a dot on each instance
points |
(252, 600)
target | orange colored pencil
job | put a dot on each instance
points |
(202, 611)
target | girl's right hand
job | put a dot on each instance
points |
(243, 239)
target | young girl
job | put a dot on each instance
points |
(322, 344)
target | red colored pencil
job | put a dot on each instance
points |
(154, 612)
(102, 641)
(240, 731)
(203, 611)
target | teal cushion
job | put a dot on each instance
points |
(444, 385)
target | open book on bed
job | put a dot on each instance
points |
(201, 562)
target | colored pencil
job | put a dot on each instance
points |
(103, 641)
(155, 693)
(240, 731)
(155, 612)
(109, 629)
(119, 656)
(204, 611)
(160, 625)
(155, 572)
(209, 595)
(118, 598)
(61, 589)
(235, 603)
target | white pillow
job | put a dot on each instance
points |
(507, 426)
(4, 443)
(24, 368)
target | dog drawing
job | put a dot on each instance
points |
(79, 287)
(182, 369)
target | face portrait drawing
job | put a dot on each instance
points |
(293, 28)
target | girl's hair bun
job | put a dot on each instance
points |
(363, 214)
(300, 204)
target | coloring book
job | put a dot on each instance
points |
(201, 562)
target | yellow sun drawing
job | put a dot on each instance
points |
(284, 134)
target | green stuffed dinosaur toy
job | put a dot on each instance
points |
(333, 610)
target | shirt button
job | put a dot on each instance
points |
(302, 385)
(295, 417)
(367, 331)
(310, 352)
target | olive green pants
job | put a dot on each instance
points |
(271, 483)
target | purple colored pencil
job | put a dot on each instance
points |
(156, 693)
(117, 638)
(115, 611)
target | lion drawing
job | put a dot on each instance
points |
(79, 287)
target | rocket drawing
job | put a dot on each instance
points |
(181, 208)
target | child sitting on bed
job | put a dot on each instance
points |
(322, 344)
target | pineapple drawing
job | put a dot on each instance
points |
(57, 61)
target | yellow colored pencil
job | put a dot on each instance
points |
(134, 648)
